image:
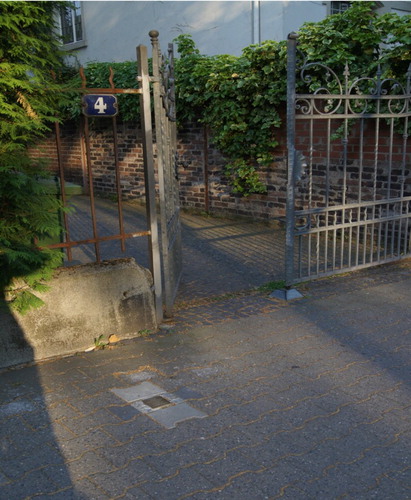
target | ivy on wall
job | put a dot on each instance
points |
(241, 99)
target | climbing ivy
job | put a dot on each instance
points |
(239, 99)
(361, 38)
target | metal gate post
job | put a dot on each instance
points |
(146, 125)
(290, 203)
(166, 141)
(161, 158)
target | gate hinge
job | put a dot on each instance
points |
(300, 165)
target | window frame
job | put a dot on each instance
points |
(332, 5)
(76, 43)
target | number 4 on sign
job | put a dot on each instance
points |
(100, 106)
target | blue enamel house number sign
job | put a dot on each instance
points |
(100, 105)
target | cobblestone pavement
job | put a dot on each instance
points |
(242, 396)
(220, 255)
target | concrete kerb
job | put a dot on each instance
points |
(84, 303)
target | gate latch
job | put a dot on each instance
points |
(176, 158)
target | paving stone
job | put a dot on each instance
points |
(32, 483)
(134, 473)
(93, 440)
(86, 464)
(182, 483)
(279, 447)
(385, 489)
(229, 465)
(62, 411)
(88, 405)
(133, 493)
(68, 493)
(19, 407)
(84, 488)
(125, 412)
(98, 418)
(3, 478)
(395, 454)
(124, 432)
(17, 467)
(120, 455)
(188, 394)
(58, 475)
(341, 485)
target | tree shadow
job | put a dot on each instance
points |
(31, 461)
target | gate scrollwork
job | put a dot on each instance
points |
(167, 83)
(322, 92)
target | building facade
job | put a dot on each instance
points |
(110, 31)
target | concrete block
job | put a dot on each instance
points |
(84, 302)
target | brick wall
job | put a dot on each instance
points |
(203, 185)
(373, 167)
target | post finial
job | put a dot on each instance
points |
(153, 34)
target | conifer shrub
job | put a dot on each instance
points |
(29, 100)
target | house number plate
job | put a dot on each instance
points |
(100, 105)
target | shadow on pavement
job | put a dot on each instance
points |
(219, 255)
(370, 316)
(31, 461)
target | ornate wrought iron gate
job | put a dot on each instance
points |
(166, 140)
(349, 157)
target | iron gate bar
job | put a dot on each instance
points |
(118, 185)
(313, 230)
(352, 117)
(290, 203)
(86, 131)
(62, 180)
(350, 97)
(320, 210)
(62, 186)
(117, 171)
(71, 244)
(91, 189)
(90, 90)
(151, 210)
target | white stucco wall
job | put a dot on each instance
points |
(113, 29)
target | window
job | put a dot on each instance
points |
(338, 7)
(401, 12)
(71, 25)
